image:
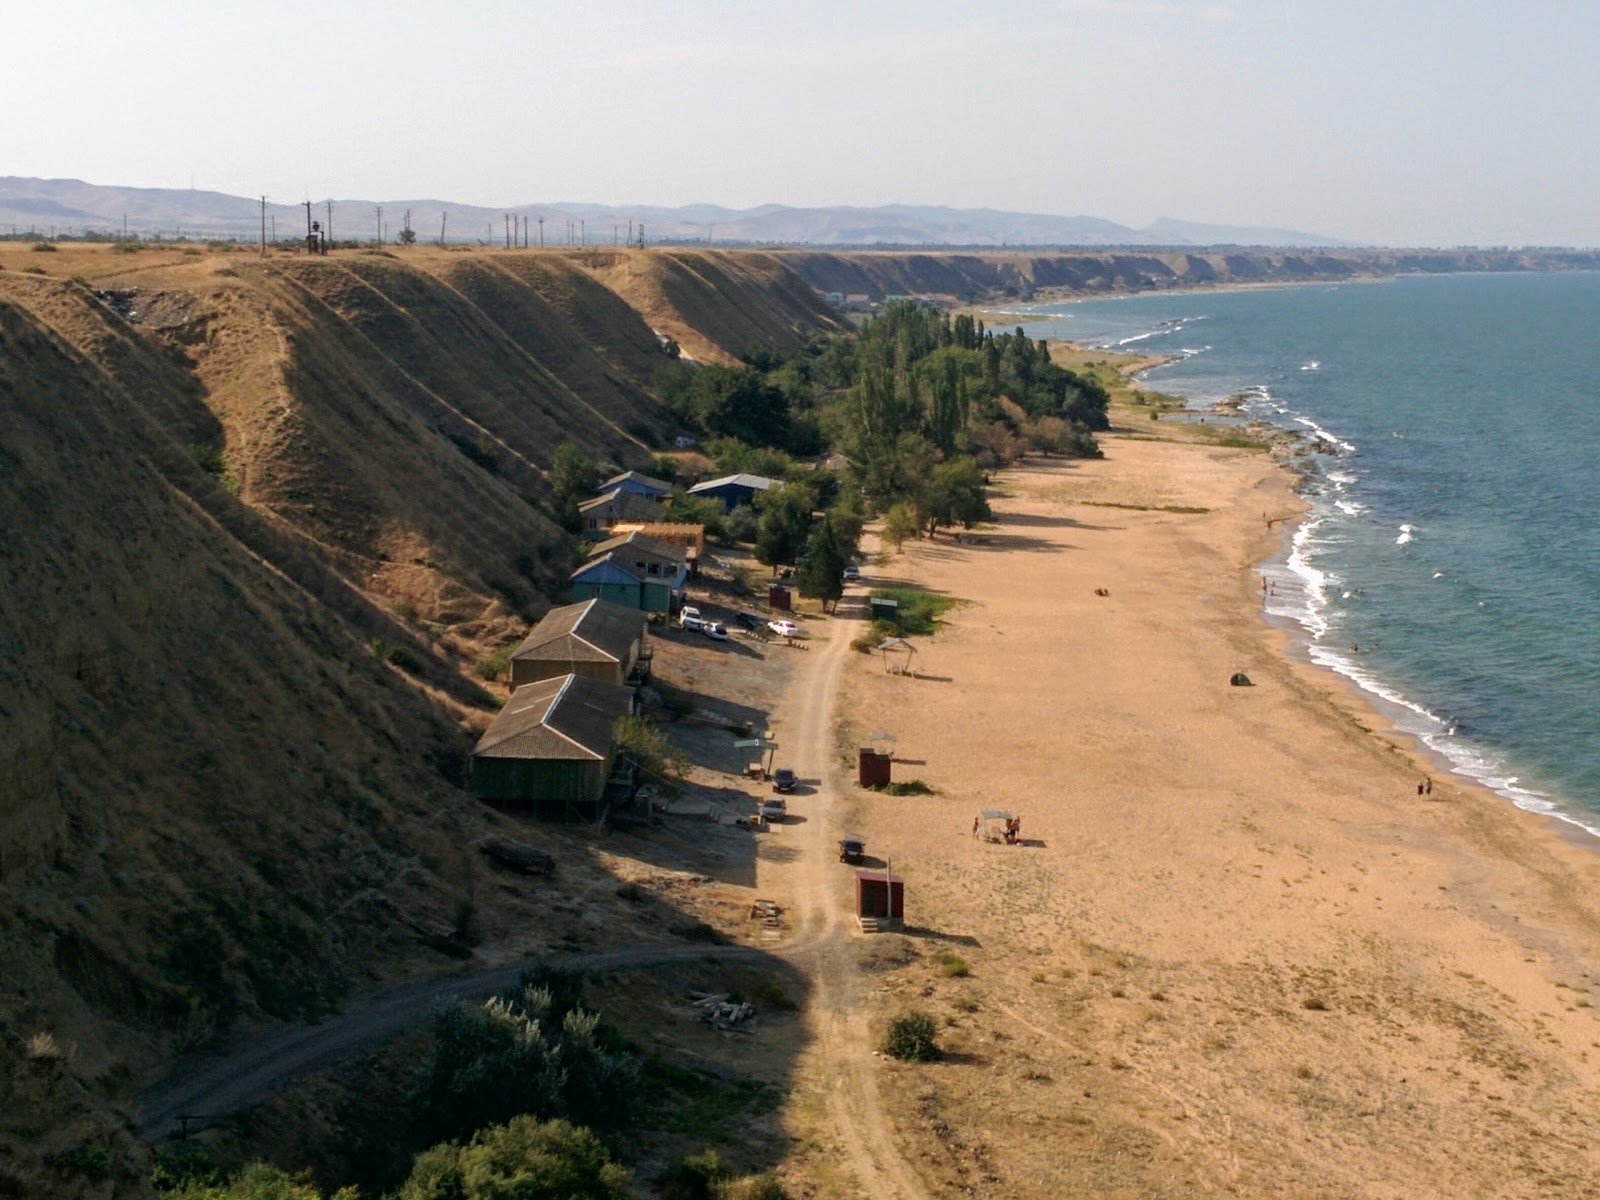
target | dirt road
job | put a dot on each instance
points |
(209, 1087)
(839, 1057)
(822, 943)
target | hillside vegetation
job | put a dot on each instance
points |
(262, 516)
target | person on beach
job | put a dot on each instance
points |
(1422, 788)
(1428, 790)
(975, 822)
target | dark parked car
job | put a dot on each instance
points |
(851, 849)
(747, 620)
(783, 780)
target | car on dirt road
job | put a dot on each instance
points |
(715, 630)
(773, 808)
(852, 573)
(783, 780)
(786, 629)
(747, 620)
(689, 618)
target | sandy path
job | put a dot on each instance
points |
(839, 1063)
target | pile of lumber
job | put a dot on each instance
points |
(720, 1012)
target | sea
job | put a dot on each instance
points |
(1450, 561)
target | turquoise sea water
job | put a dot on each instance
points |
(1450, 563)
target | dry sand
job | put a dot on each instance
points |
(1239, 953)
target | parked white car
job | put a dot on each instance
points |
(714, 629)
(689, 618)
(786, 629)
(774, 809)
(852, 573)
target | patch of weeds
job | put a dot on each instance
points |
(768, 993)
(694, 1177)
(966, 1002)
(398, 656)
(685, 1101)
(495, 665)
(917, 611)
(44, 247)
(698, 931)
(406, 611)
(952, 964)
(909, 787)
(912, 1037)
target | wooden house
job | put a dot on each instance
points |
(733, 490)
(551, 745)
(649, 557)
(598, 515)
(610, 577)
(594, 638)
(638, 484)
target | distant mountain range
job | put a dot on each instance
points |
(72, 208)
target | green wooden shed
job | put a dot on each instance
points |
(551, 745)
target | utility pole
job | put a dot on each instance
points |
(641, 235)
(379, 210)
(263, 227)
(311, 241)
(329, 226)
(630, 231)
(443, 217)
(583, 233)
(541, 233)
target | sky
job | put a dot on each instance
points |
(1407, 122)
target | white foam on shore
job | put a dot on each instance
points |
(1301, 592)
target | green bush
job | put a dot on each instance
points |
(694, 1177)
(45, 247)
(762, 1187)
(495, 665)
(524, 1159)
(918, 611)
(910, 1038)
(952, 964)
(529, 1051)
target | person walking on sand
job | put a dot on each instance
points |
(975, 823)
(1428, 790)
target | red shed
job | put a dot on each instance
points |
(880, 901)
(778, 597)
(874, 767)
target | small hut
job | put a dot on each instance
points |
(880, 901)
(874, 768)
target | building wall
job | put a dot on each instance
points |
(647, 597)
(538, 781)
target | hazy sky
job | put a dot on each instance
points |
(1399, 122)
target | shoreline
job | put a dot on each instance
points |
(1234, 925)
(1386, 703)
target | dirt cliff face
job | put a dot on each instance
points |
(262, 516)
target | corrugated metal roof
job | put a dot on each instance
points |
(638, 477)
(759, 482)
(568, 717)
(591, 631)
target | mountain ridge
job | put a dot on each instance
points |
(41, 206)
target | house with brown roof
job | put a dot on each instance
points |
(609, 507)
(552, 744)
(595, 638)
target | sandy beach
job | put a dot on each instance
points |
(1238, 952)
